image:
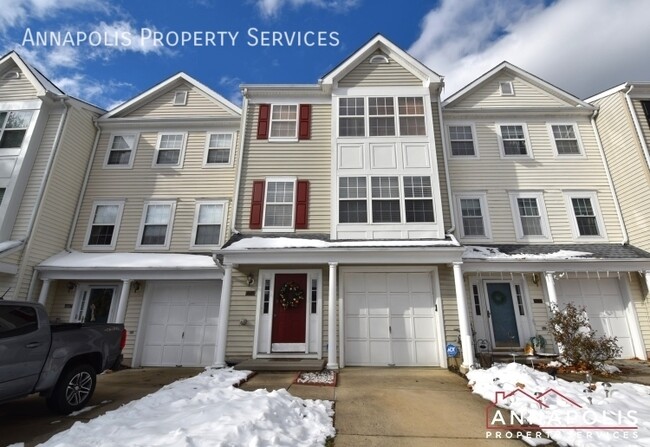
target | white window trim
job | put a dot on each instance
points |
(224, 215)
(207, 150)
(512, 88)
(136, 138)
(482, 197)
(474, 139)
(118, 220)
(170, 225)
(529, 148)
(549, 126)
(593, 196)
(546, 229)
(182, 103)
(284, 139)
(291, 228)
(181, 156)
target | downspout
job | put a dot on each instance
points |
(83, 188)
(608, 173)
(451, 230)
(637, 126)
(240, 162)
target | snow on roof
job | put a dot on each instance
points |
(478, 252)
(78, 260)
(252, 243)
(8, 245)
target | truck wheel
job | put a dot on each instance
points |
(73, 390)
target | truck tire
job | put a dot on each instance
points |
(73, 390)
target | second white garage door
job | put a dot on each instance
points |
(180, 324)
(390, 319)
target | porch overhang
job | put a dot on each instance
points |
(584, 265)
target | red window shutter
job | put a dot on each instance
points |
(257, 205)
(302, 205)
(304, 129)
(263, 122)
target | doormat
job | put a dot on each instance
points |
(325, 377)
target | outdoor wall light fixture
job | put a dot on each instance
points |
(535, 279)
(71, 286)
(250, 279)
(136, 286)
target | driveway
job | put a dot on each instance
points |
(28, 420)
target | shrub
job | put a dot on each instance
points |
(577, 339)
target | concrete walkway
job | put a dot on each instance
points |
(411, 407)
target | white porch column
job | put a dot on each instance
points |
(647, 280)
(331, 319)
(124, 299)
(45, 289)
(463, 317)
(550, 288)
(224, 311)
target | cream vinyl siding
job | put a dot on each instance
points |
(198, 104)
(444, 197)
(642, 306)
(627, 165)
(449, 308)
(488, 95)
(379, 74)
(545, 172)
(143, 183)
(20, 89)
(305, 159)
(240, 338)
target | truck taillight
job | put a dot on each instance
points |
(123, 339)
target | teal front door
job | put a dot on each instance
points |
(502, 315)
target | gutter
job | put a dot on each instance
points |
(617, 205)
(637, 126)
(451, 230)
(240, 162)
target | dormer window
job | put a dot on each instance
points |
(180, 98)
(506, 88)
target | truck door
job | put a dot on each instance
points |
(24, 344)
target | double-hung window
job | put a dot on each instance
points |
(352, 117)
(279, 203)
(418, 199)
(170, 149)
(284, 121)
(566, 139)
(104, 225)
(381, 116)
(513, 140)
(384, 116)
(472, 208)
(587, 221)
(121, 151)
(218, 149)
(531, 222)
(13, 127)
(385, 199)
(411, 116)
(208, 224)
(353, 200)
(155, 229)
(461, 140)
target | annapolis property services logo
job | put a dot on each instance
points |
(552, 410)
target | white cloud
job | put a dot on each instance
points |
(21, 11)
(97, 92)
(230, 85)
(124, 36)
(582, 46)
(271, 8)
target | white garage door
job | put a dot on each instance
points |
(180, 327)
(604, 303)
(390, 319)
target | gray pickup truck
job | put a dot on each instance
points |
(59, 361)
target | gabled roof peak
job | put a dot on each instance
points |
(37, 79)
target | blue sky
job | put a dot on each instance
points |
(582, 46)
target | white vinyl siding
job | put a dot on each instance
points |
(208, 224)
(170, 150)
(156, 226)
(104, 225)
(379, 73)
(121, 151)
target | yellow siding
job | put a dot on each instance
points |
(444, 196)
(488, 95)
(641, 300)
(306, 160)
(198, 104)
(20, 89)
(545, 172)
(449, 308)
(378, 74)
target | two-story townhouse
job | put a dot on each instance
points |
(46, 138)
(535, 208)
(340, 250)
(155, 205)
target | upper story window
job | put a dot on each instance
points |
(121, 151)
(474, 218)
(566, 139)
(381, 117)
(284, 121)
(278, 210)
(13, 127)
(461, 140)
(170, 149)
(208, 222)
(104, 225)
(280, 204)
(506, 88)
(155, 228)
(529, 211)
(513, 140)
(587, 222)
(418, 199)
(353, 197)
(218, 148)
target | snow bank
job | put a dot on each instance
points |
(207, 410)
(290, 242)
(78, 260)
(557, 403)
(478, 252)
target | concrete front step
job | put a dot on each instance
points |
(282, 364)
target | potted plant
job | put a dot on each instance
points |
(538, 342)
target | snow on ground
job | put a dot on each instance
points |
(207, 410)
(478, 252)
(550, 403)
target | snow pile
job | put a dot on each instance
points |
(78, 260)
(207, 410)
(290, 242)
(618, 412)
(478, 252)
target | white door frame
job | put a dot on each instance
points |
(437, 301)
(85, 288)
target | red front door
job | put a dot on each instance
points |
(289, 321)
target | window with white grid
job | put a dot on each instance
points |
(279, 203)
(121, 151)
(284, 121)
(587, 221)
(418, 199)
(566, 139)
(529, 216)
(513, 140)
(208, 223)
(461, 140)
(169, 151)
(351, 117)
(218, 150)
(104, 225)
(13, 127)
(472, 217)
(155, 230)
(353, 200)
(411, 116)
(381, 117)
(385, 199)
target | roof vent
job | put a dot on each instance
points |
(506, 88)
(180, 98)
(12, 74)
(378, 59)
